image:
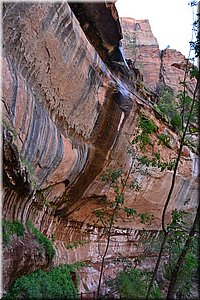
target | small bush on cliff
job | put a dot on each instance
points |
(167, 106)
(42, 239)
(11, 228)
(56, 283)
(9, 128)
(146, 128)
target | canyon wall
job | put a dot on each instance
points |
(69, 115)
(156, 66)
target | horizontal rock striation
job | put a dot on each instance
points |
(68, 118)
(156, 66)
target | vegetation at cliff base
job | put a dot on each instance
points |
(175, 243)
(42, 239)
(133, 284)
(11, 228)
(57, 283)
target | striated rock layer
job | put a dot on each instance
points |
(156, 66)
(67, 119)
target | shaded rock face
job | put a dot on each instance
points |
(67, 119)
(166, 66)
(100, 23)
(173, 65)
(102, 20)
(28, 252)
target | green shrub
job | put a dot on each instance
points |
(10, 128)
(167, 106)
(133, 285)
(147, 126)
(44, 285)
(175, 243)
(188, 270)
(10, 228)
(112, 176)
(156, 162)
(43, 240)
(175, 110)
(163, 139)
(146, 218)
(176, 121)
(135, 185)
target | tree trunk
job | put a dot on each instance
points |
(182, 256)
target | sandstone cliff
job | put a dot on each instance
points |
(140, 45)
(69, 114)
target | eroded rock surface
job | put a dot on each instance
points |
(156, 66)
(67, 120)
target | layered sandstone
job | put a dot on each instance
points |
(173, 66)
(142, 48)
(156, 66)
(68, 119)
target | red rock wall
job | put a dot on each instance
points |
(67, 120)
(140, 45)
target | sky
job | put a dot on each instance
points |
(171, 20)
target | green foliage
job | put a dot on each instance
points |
(77, 265)
(193, 3)
(188, 270)
(119, 198)
(42, 239)
(156, 162)
(163, 139)
(130, 211)
(168, 107)
(27, 165)
(143, 138)
(106, 216)
(56, 283)
(103, 216)
(133, 285)
(11, 228)
(29, 169)
(176, 111)
(135, 185)
(44, 199)
(184, 107)
(195, 45)
(9, 128)
(166, 104)
(194, 72)
(112, 176)
(176, 239)
(178, 220)
(146, 128)
(147, 125)
(146, 218)
(75, 244)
